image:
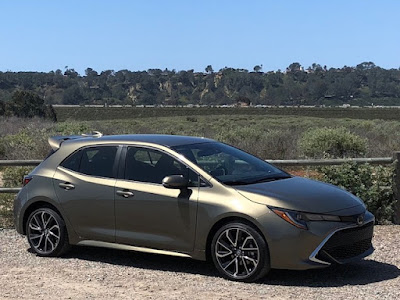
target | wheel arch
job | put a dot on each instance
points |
(230, 219)
(39, 203)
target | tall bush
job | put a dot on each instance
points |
(27, 104)
(26, 144)
(332, 142)
(6, 210)
(266, 144)
(373, 184)
(12, 177)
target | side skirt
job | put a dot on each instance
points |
(130, 248)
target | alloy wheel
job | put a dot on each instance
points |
(237, 253)
(44, 232)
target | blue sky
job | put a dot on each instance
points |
(184, 34)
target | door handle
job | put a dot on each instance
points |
(66, 186)
(125, 193)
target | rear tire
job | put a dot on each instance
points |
(46, 232)
(240, 253)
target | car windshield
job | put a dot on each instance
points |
(230, 165)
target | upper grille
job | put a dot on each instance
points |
(347, 243)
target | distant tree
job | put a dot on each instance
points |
(294, 67)
(71, 73)
(316, 67)
(366, 66)
(257, 68)
(73, 95)
(91, 76)
(50, 113)
(209, 69)
(243, 101)
(118, 92)
(26, 104)
(154, 72)
(2, 108)
(89, 72)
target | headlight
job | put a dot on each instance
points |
(300, 219)
(291, 217)
(316, 217)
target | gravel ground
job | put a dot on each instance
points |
(99, 273)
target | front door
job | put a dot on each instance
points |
(147, 213)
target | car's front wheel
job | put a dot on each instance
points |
(47, 233)
(240, 253)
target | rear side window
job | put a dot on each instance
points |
(94, 161)
(73, 161)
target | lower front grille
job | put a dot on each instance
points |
(347, 243)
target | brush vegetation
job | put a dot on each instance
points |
(269, 137)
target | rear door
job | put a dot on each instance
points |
(84, 184)
(148, 214)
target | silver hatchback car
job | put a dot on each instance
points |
(189, 196)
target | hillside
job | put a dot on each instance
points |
(364, 84)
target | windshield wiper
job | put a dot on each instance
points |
(236, 182)
(267, 179)
(264, 179)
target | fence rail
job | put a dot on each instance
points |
(277, 162)
(280, 163)
(330, 162)
(19, 163)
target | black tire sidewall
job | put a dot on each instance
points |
(263, 265)
(63, 233)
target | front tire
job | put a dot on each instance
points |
(46, 232)
(240, 253)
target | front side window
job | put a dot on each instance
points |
(149, 165)
(94, 161)
(230, 165)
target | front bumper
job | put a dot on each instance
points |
(323, 244)
(345, 245)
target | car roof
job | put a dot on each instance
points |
(159, 139)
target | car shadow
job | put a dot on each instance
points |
(142, 260)
(360, 273)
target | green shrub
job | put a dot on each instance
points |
(332, 142)
(70, 128)
(264, 143)
(26, 104)
(12, 176)
(191, 119)
(373, 184)
(6, 213)
(26, 144)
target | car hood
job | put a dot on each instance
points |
(302, 194)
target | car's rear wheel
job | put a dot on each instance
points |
(240, 253)
(47, 233)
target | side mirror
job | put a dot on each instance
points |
(175, 182)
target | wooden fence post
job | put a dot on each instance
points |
(396, 186)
